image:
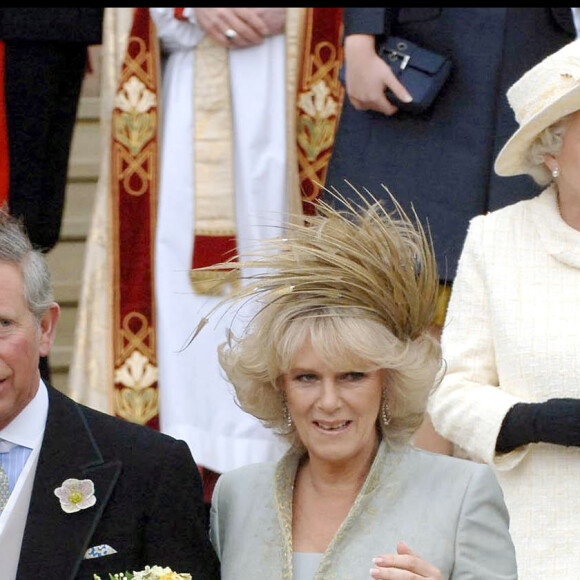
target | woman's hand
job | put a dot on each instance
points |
(404, 565)
(251, 25)
(368, 76)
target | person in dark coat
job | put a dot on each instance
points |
(44, 61)
(81, 492)
(440, 161)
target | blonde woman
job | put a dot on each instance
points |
(339, 361)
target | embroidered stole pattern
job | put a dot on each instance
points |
(315, 97)
(319, 100)
(134, 185)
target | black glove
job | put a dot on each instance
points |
(554, 421)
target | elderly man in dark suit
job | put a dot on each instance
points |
(81, 492)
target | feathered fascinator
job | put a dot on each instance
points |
(352, 258)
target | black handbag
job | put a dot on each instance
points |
(422, 72)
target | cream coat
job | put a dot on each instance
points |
(448, 510)
(512, 334)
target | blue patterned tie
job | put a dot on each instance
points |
(5, 447)
(4, 489)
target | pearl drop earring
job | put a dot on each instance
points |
(555, 172)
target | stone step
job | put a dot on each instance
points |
(66, 266)
(85, 155)
(79, 201)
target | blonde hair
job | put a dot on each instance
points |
(361, 283)
(255, 363)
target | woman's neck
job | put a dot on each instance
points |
(569, 207)
(338, 478)
(324, 493)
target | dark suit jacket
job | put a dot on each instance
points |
(442, 161)
(149, 500)
(45, 57)
(69, 24)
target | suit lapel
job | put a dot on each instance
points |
(68, 450)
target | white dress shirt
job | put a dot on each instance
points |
(25, 431)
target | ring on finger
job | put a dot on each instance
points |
(230, 33)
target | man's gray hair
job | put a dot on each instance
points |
(15, 248)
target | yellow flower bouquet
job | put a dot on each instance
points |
(149, 573)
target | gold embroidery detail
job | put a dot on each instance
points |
(136, 373)
(217, 229)
(316, 126)
(137, 173)
(141, 339)
(136, 406)
(137, 400)
(133, 125)
(319, 101)
(284, 480)
(144, 63)
(134, 173)
(136, 397)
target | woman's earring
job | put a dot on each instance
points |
(385, 411)
(555, 172)
(287, 416)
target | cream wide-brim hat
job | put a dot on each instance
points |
(543, 95)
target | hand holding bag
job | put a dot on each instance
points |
(422, 72)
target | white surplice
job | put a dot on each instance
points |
(196, 400)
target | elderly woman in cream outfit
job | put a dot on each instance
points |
(339, 360)
(511, 395)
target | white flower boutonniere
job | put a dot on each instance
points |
(149, 573)
(76, 495)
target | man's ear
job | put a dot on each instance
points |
(48, 329)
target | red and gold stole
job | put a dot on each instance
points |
(314, 97)
(213, 170)
(134, 185)
(313, 101)
(319, 100)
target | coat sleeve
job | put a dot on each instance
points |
(468, 407)
(176, 527)
(364, 20)
(484, 548)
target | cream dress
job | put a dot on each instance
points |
(512, 333)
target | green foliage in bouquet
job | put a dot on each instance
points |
(149, 573)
